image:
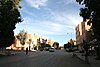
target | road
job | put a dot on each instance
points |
(42, 59)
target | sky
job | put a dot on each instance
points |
(54, 19)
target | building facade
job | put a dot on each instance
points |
(78, 34)
(32, 41)
(82, 33)
(85, 33)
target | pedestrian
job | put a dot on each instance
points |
(26, 50)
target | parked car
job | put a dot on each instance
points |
(51, 49)
(41, 49)
(46, 48)
(69, 50)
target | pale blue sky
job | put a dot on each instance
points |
(50, 18)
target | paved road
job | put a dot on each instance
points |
(42, 59)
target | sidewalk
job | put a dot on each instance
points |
(14, 52)
(92, 61)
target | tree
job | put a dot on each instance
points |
(56, 45)
(47, 45)
(30, 41)
(67, 45)
(22, 37)
(9, 17)
(91, 11)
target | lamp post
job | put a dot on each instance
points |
(71, 34)
(67, 34)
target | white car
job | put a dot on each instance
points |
(51, 49)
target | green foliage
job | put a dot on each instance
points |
(22, 36)
(69, 45)
(29, 41)
(47, 45)
(56, 45)
(65, 46)
(9, 17)
(91, 11)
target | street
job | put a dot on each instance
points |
(59, 58)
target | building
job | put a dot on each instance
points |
(50, 42)
(85, 33)
(82, 33)
(32, 41)
(78, 34)
(72, 41)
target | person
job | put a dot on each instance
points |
(26, 50)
